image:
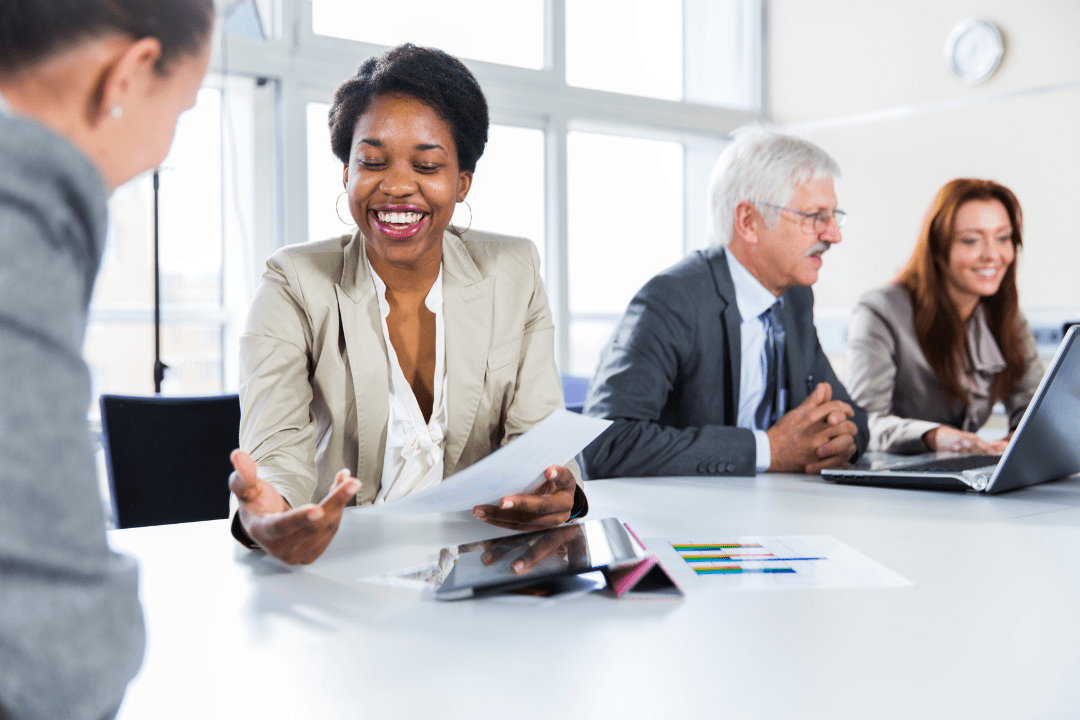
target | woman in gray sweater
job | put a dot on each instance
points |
(931, 354)
(90, 91)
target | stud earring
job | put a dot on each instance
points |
(459, 233)
(116, 112)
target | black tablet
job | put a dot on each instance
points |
(532, 559)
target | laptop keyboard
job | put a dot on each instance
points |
(954, 464)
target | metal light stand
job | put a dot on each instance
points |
(159, 367)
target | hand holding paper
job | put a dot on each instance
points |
(548, 505)
(514, 470)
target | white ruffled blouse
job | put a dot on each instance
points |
(414, 449)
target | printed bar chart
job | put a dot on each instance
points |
(720, 558)
(769, 563)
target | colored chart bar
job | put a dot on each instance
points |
(737, 570)
(744, 558)
(716, 546)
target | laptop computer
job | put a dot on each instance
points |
(1045, 446)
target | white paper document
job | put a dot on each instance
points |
(770, 563)
(514, 468)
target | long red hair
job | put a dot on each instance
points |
(938, 325)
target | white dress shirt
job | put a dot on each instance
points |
(414, 449)
(752, 299)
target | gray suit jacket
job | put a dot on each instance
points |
(314, 388)
(890, 376)
(669, 378)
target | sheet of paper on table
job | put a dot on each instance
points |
(514, 468)
(770, 563)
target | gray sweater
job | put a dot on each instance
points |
(71, 632)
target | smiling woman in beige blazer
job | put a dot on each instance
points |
(406, 351)
(929, 356)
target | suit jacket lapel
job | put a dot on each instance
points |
(468, 310)
(361, 325)
(732, 320)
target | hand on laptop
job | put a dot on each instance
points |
(948, 439)
(818, 434)
(297, 535)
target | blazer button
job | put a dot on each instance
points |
(713, 467)
(701, 467)
(731, 467)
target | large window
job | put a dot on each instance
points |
(641, 42)
(620, 233)
(476, 29)
(606, 118)
(204, 205)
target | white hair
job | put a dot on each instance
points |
(762, 166)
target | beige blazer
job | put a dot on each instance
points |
(314, 369)
(889, 376)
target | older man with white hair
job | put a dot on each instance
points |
(716, 368)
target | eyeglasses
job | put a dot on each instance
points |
(821, 219)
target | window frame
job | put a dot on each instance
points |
(305, 67)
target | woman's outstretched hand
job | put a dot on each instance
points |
(294, 535)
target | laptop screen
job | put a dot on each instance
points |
(1046, 445)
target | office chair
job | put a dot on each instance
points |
(168, 457)
(574, 390)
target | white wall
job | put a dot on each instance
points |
(867, 81)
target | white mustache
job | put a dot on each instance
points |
(818, 249)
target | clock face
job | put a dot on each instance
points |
(973, 50)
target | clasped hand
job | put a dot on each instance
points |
(300, 535)
(816, 435)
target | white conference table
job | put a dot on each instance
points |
(990, 628)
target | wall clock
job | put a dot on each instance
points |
(973, 50)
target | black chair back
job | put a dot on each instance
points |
(168, 457)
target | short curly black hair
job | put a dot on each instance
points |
(433, 77)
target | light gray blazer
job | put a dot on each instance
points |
(71, 631)
(889, 376)
(314, 373)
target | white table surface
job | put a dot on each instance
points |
(990, 629)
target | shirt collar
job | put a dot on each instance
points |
(751, 296)
(5, 109)
(434, 299)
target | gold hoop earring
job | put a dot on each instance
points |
(453, 227)
(337, 209)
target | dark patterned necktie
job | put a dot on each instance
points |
(771, 407)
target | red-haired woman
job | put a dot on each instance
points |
(930, 354)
